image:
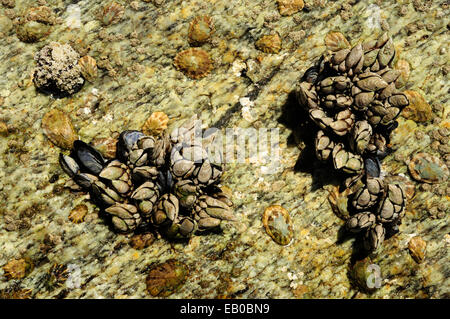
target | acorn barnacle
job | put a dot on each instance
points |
(269, 43)
(195, 63)
(200, 30)
(155, 124)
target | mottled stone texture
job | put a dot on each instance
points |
(246, 88)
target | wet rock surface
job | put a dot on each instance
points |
(246, 88)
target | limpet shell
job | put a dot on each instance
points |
(88, 67)
(155, 124)
(424, 167)
(269, 43)
(418, 109)
(363, 274)
(166, 278)
(141, 241)
(289, 7)
(194, 62)
(112, 13)
(200, 30)
(278, 225)
(59, 129)
(417, 248)
(77, 214)
(405, 69)
(336, 41)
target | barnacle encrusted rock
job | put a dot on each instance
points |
(194, 62)
(57, 70)
(166, 183)
(36, 24)
(351, 96)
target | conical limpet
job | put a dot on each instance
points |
(200, 30)
(277, 223)
(427, 168)
(194, 62)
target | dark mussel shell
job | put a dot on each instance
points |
(165, 181)
(126, 141)
(372, 167)
(89, 159)
(69, 165)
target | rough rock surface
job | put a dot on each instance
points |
(247, 88)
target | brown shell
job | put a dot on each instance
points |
(112, 13)
(155, 124)
(418, 109)
(195, 63)
(278, 225)
(289, 7)
(336, 41)
(417, 248)
(88, 67)
(200, 30)
(269, 43)
(105, 145)
(405, 69)
(141, 241)
(166, 278)
(18, 268)
(77, 214)
(59, 129)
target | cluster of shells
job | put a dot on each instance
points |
(167, 183)
(351, 96)
(195, 62)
